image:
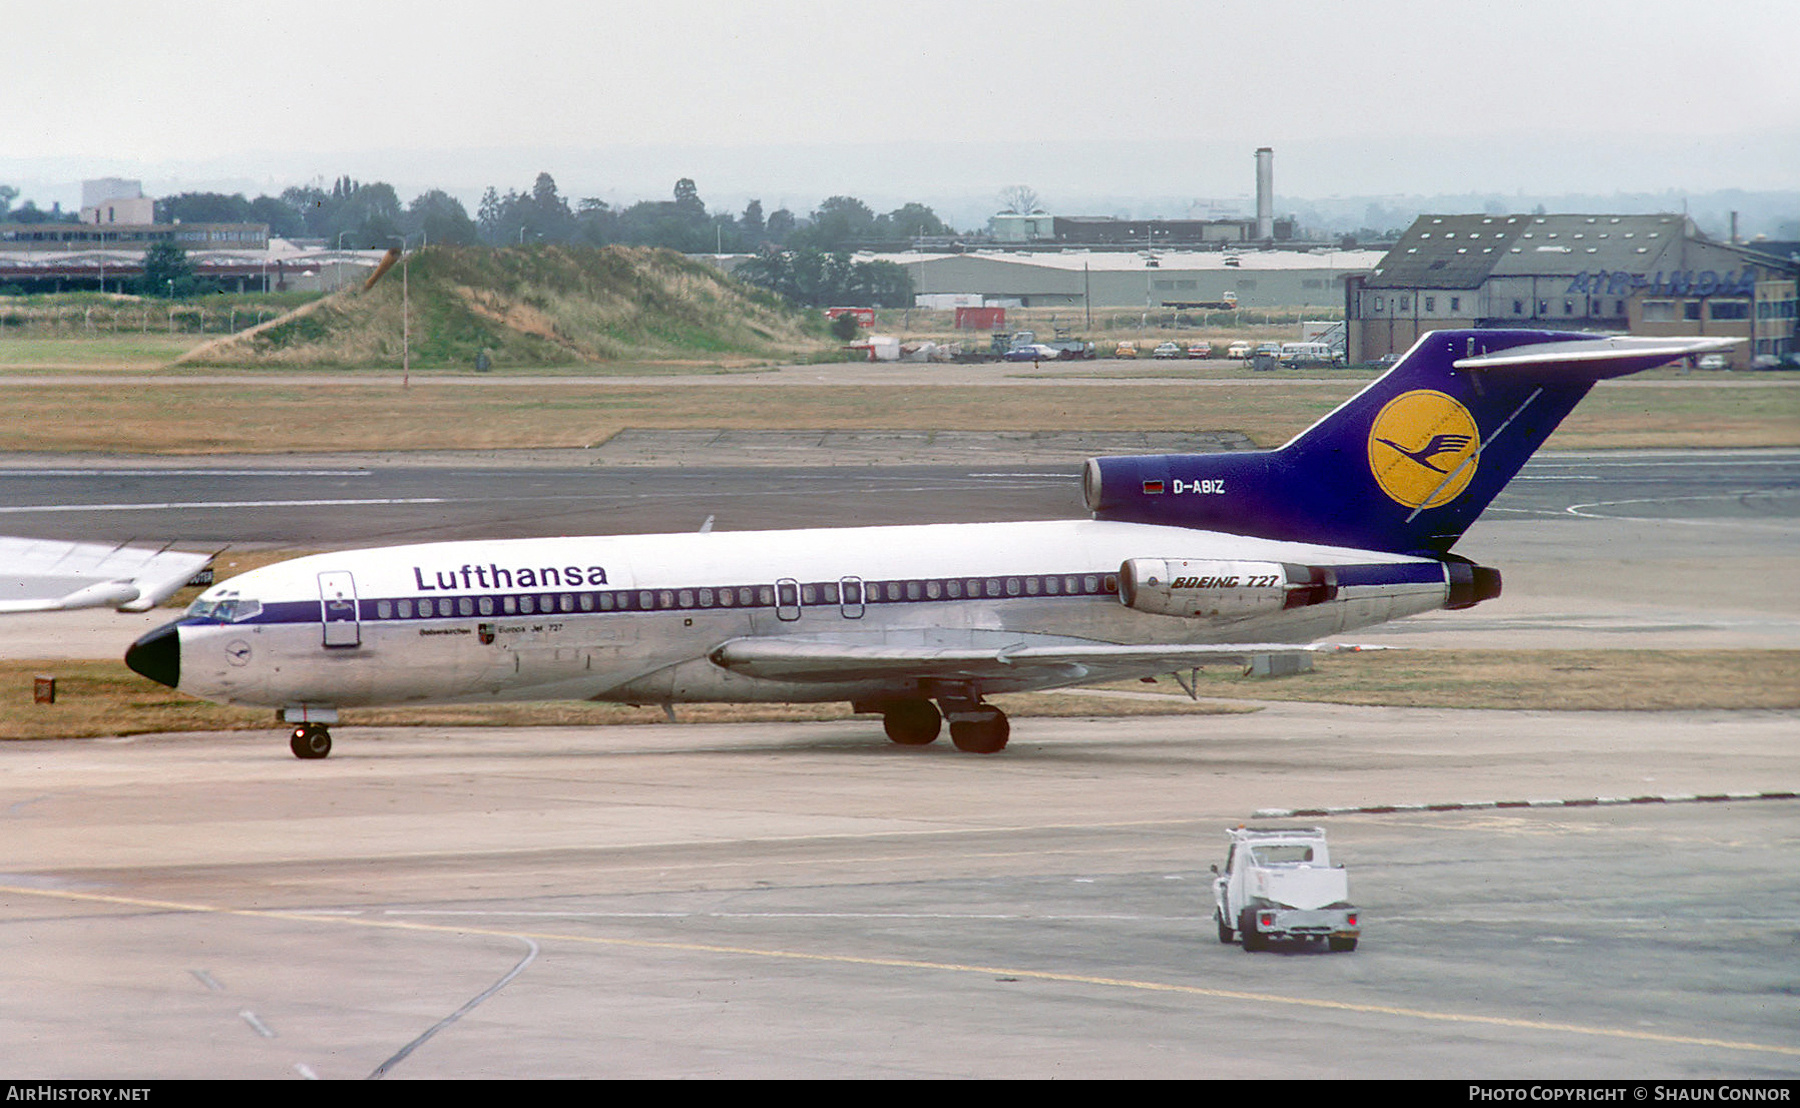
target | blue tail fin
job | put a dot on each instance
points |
(1403, 466)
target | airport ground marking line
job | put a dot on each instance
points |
(127, 471)
(400, 1056)
(32, 509)
(1735, 494)
(301, 916)
(1511, 805)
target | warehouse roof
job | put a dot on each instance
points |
(1462, 251)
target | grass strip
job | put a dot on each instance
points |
(273, 416)
(1536, 680)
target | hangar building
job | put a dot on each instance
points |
(1636, 274)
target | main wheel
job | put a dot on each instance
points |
(981, 736)
(1226, 934)
(1254, 940)
(310, 740)
(912, 722)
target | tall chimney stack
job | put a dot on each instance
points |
(1265, 193)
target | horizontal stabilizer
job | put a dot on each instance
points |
(1611, 357)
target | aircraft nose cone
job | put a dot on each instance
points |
(157, 655)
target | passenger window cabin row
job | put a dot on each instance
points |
(848, 591)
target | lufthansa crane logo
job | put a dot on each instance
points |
(1422, 448)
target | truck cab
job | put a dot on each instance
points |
(1279, 884)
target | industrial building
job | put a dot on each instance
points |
(105, 251)
(1257, 279)
(1041, 230)
(116, 200)
(1633, 274)
(275, 265)
(1049, 261)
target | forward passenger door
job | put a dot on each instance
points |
(337, 609)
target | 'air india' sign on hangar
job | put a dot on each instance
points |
(1677, 282)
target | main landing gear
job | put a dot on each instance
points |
(912, 722)
(974, 727)
(310, 740)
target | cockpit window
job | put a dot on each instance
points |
(228, 609)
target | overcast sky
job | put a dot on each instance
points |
(789, 100)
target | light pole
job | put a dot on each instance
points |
(405, 318)
(337, 264)
(405, 322)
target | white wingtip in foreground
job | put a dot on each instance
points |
(41, 575)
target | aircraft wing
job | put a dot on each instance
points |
(823, 661)
(38, 575)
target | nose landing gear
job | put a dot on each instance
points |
(310, 740)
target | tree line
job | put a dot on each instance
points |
(803, 257)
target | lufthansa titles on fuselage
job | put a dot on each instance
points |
(495, 577)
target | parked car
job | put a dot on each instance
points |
(1126, 350)
(1200, 349)
(1712, 361)
(1033, 352)
(1167, 350)
(1238, 350)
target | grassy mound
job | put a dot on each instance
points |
(535, 306)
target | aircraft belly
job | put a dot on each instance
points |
(286, 664)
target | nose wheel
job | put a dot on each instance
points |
(310, 740)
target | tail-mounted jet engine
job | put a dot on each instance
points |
(1219, 589)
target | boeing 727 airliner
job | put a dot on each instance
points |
(1187, 560)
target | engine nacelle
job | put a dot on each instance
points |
(1213, 589)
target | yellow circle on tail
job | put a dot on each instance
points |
(1422, 448)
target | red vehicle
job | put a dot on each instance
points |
(864, 316)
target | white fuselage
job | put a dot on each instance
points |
(633, 618)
